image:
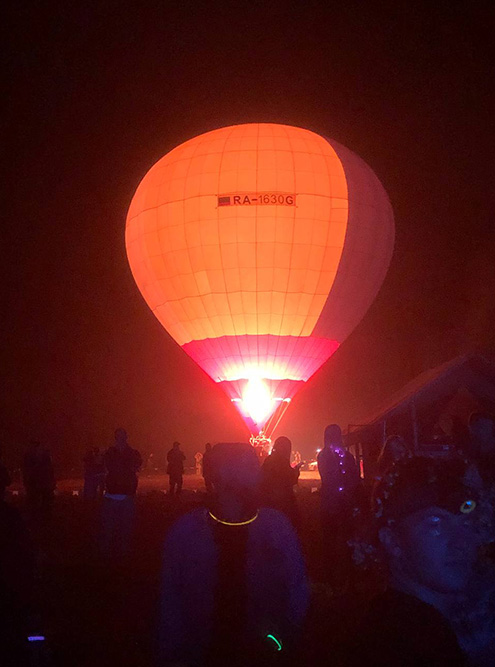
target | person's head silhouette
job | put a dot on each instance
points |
(235, 475)
(333, 436)
(282, 448)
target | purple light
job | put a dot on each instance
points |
(36, 638)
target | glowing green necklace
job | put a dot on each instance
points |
(233, 523)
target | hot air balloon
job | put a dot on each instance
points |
(259, 247)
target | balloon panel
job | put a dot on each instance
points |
(271, 357)
(367, 250)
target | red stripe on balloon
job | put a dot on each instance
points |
(230, 358)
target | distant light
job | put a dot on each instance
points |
(36, 638)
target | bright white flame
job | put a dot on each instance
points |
(257, 401)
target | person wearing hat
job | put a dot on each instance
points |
(234, 586)
(425, 517)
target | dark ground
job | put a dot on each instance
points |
(99, 617)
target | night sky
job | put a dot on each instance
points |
(97, 93)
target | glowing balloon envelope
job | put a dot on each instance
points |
(259, 248)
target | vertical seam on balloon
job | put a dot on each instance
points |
(292, 244)
(256, 251)
(218, 233)
(180, 330)
(330, 220)
(301, 360)
(307, 151)
(242, 314)
(197, 319)
(206, 313)
(150, 281)
(311, 346)
(341, 269)
(298, 369)
(346, 180)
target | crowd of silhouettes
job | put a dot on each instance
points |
(235, 588)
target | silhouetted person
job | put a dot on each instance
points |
(426, 524)
(339, 485)
(393, 450)
(175, 469)
(207, 468)
(234, 581)
(38, 479)
(94, 474)
(122, 463)
(338, 472)
(278, 478)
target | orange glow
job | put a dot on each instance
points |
(259, 247)
(208, 270)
